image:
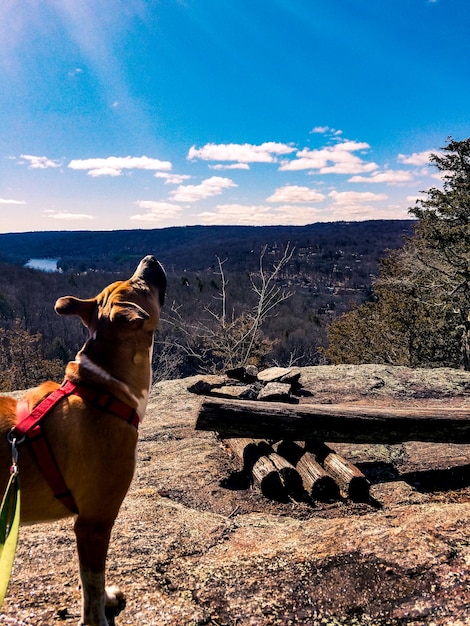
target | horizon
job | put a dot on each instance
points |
(133, 115)
(137, 228)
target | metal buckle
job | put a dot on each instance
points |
(14, 443)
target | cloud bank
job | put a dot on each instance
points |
(241, 153)
(39, 162)
(278, 196)
(113, 166)
(11, 201)
(210, 187)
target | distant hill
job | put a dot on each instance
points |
(194, 248)
(332, 267)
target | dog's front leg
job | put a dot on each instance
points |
(92, 546)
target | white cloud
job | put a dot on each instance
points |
(172, 179)
(63, 215)
(353, 197)
(104, 171)
(75, 72)
(417, 158)
(39, 162)
(352, 165)
(10, 201)
(414, 199)
(336, 159)
(390, 177)
(233, 166)
(157, 212)
(358, 213)
(356, 206)
(258, 215)
(210, 187)
(311, 162)
(241, 153)
(326, 130)
(113, 166)
(295, 193)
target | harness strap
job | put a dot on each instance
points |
(27, 420)
(103, 400)
(45, 459)
(29, 425)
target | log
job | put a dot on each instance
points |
(320, 486)
(349, 477)
(336, 423)
(317, 482)
(290, 450)
(256, 460)
(246, 449)
(290, 477)
(265, 472)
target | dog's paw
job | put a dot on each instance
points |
(114, 602)
(113, 597)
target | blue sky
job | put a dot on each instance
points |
(147, 114)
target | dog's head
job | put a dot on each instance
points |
(130, 304)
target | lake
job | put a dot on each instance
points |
(46, 265)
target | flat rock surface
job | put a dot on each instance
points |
(195, 545)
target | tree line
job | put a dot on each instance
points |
(326, 269)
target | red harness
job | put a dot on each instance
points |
(30, 427)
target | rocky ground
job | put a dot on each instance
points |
(193, 546)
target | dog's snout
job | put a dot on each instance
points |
(151, 270)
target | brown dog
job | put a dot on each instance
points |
(94, 450)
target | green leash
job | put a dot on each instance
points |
(9, 524)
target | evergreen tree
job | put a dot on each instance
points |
(420, 312)
(443, 237)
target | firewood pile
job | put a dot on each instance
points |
(284, 468)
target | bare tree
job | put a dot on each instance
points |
(227, 337)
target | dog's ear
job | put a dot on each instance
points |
(128, 312)
(69, 305)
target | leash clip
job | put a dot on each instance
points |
(14, 443)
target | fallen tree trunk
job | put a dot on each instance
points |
(317, 482)
(260, 459)
(349, 477)
(290, 477)
(336, 423)
(256, 460)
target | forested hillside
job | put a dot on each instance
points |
(331, 266)
(194, 248)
